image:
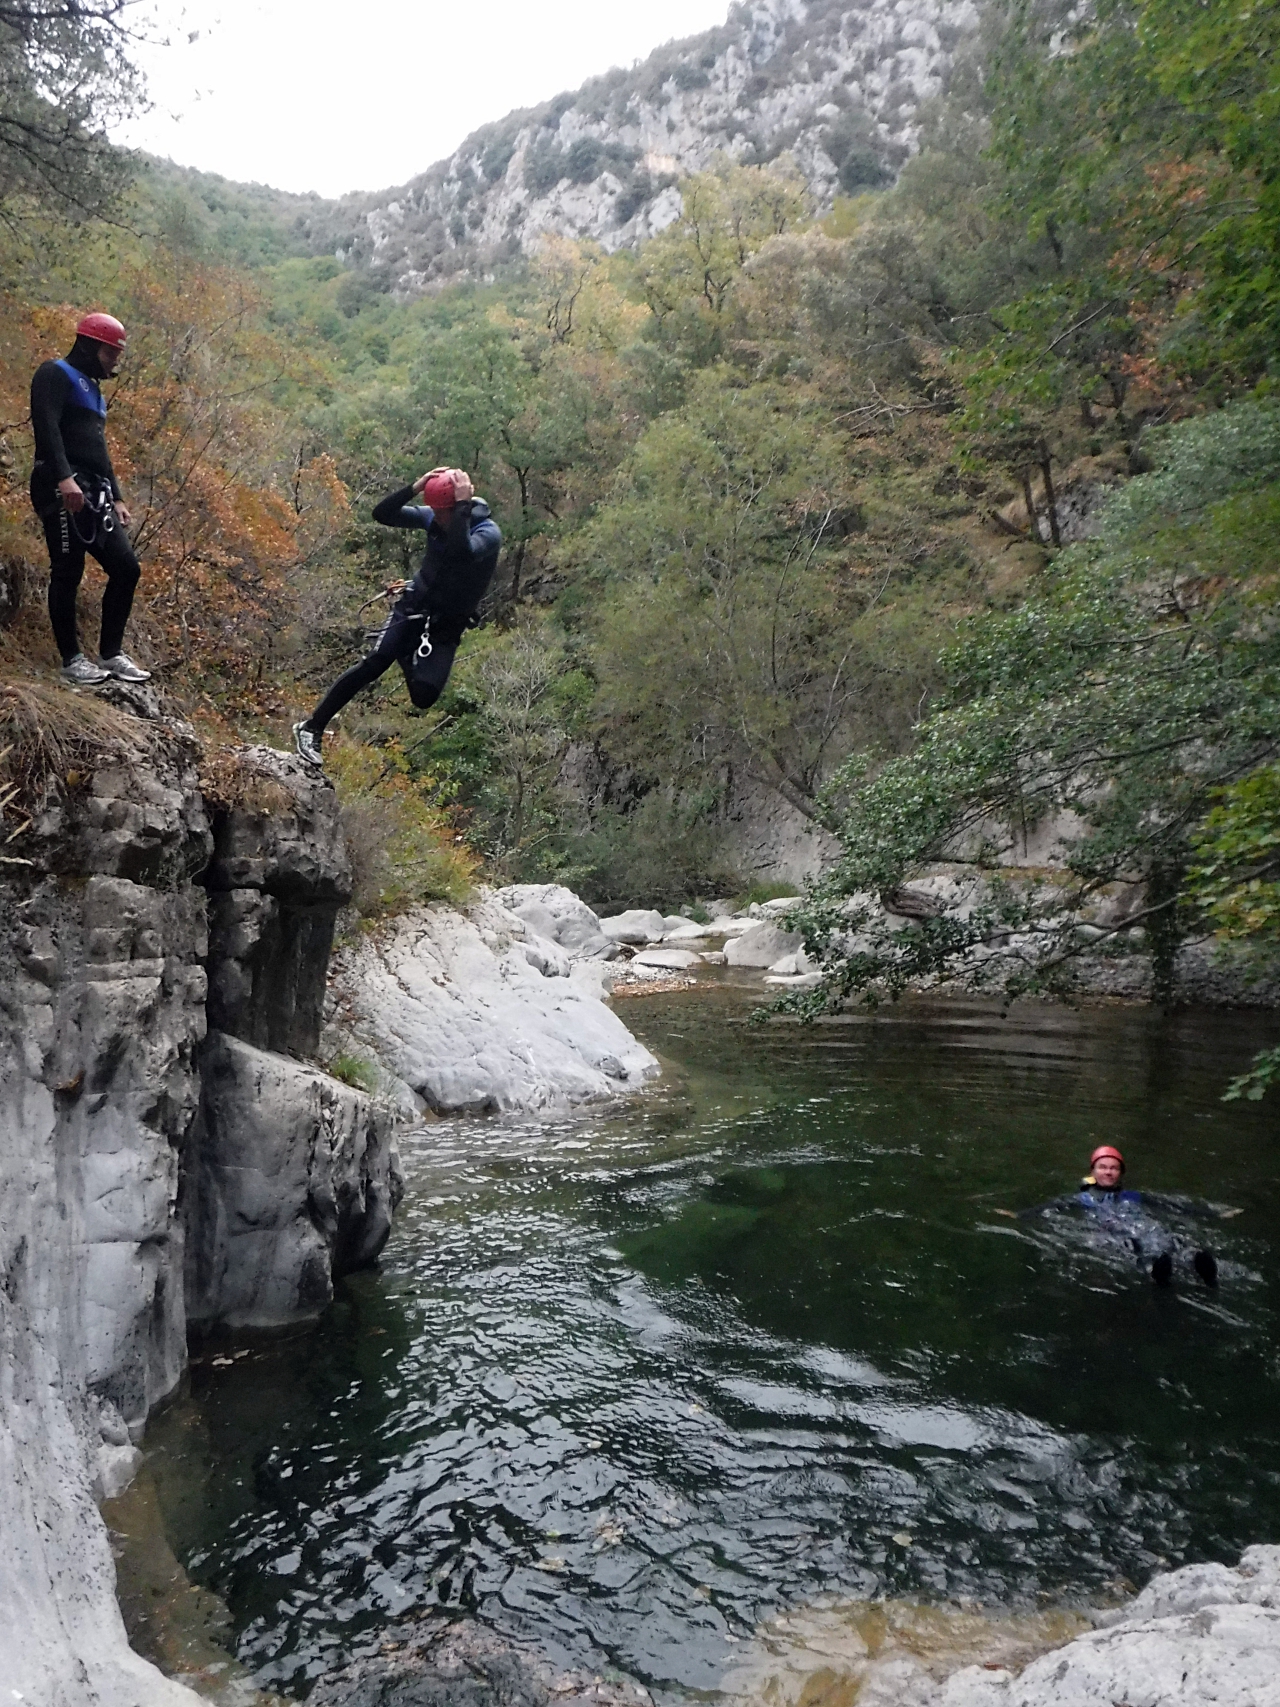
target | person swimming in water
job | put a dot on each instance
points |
(1127, 1216)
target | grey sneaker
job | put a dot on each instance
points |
(82, 672)
(123, 668)
(307, 745)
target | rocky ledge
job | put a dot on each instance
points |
(1203, 1634)
(165, 1156)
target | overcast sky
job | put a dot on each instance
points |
(364, 94)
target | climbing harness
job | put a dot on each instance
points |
(99, 505)
(374, 635)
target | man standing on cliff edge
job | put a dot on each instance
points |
(76, 495)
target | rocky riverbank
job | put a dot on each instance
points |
(1204, 1634)
(173, 1155)
(499, 1007)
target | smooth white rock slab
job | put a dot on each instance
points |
(669, 959)
(478, 1013)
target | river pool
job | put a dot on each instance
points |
(629, 1383)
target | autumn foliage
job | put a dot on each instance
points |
(224, 518)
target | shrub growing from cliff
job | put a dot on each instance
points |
(403, 849)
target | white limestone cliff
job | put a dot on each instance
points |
(835, 87)
(126, 1207)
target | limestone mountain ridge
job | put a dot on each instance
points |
(836, 87)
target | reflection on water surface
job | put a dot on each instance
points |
(629, 1384)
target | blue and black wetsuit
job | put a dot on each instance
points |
(1140, 1220)
(426, 625)
(69, 417)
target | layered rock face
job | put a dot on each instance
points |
(102, 1012)
(292, 1176)
(139, 1188)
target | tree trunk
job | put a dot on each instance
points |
(1051, 499)
(1033, 520)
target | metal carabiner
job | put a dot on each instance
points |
(424, 645)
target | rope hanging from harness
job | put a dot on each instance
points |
(99, 504)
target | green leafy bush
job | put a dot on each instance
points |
(1141, 679)
(403, 848)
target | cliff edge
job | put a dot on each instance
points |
(166, 1157)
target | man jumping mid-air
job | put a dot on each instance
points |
(426, 624)
(76, 495)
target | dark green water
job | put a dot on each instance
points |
(628, 1383)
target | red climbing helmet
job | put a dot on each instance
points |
(105, 328)
(439, 490)
(1106, 1150)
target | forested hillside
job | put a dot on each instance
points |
(770, 483)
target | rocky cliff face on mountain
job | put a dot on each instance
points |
(834, 86)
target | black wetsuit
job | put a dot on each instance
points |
(425, 627)
(69, 416)
(1129, 1218)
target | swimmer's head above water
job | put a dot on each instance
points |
(1106, 1167)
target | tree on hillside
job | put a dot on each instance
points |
(725, 635)
(65, 72)
(1235, 885)
(1148, 158)
(687, 270)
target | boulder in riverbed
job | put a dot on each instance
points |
(668, 959)
(477, 1013)
(558, 914)
(637, 925)
(762, 945)
(688, 931)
